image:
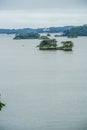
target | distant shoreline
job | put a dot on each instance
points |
(69, 31)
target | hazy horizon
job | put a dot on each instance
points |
(40, 27)
(42, 14)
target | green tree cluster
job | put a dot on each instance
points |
(1, 105)
(67, 45)
(48, 44)
(76, 31)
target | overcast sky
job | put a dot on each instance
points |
(42, 13)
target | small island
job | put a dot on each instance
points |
(48, 34)
(56, 35)
(48, 44)
(31, 35)
(51, 44)
(66, 46)
(43, 37)
(1, 105)
(72, 36)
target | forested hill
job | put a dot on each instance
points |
(38, 30)
(76, 31)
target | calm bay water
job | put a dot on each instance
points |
(43, 90)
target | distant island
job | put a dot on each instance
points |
(31, 35)
(51, 44)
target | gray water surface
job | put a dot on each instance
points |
(43, 90)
